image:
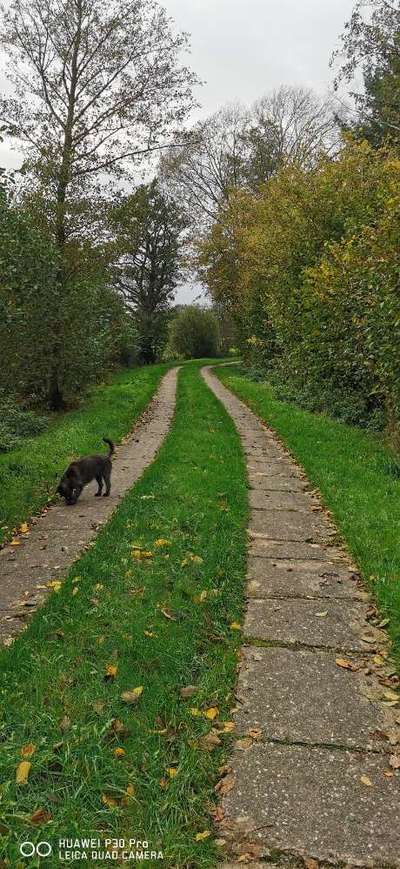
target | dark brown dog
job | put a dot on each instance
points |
(83, 471)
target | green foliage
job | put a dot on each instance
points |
(17, 423)
(314, 288)
(194, 333)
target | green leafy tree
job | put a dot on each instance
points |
(148, 228)
(371, 43)
(194, 333)
(95, 87)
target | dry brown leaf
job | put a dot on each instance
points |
(132, 696)
(40, 816)
(394, 761)
(227, 726)
(309, 863)
(188, 692)
(163, 784)
(98, 706)
(109, 801)
(255, 733)
(168, 614)
(22, 773)
(65, 723)
(28, 749)
(243, 744)
(209, 742)
(345, 664)
(226, 784)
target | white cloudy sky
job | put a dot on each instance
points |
(244, 48)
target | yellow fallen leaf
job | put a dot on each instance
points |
(130, 791)
(322, 615)
(111, 672)
(28, 750)
(235, 626)
(119, 753)
(109, 801)
(15, 542)
(23, 770)
(212, 712)
(196, 713)
(162, 542)
(199, 837)
(228, 726)
(75, 591)
(132, 696)
(141, 553)
(149, 634)
(24, 527)
(391, 695)
(172, 771)
(200, 598)
(55, 584)
(197, 559)
(366, 781)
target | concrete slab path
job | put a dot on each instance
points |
(56, 539)
(314, 778)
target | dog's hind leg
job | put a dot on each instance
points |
(107, 480)
(99, 479)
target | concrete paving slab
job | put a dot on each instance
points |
(294, 550)
(312, 802)
(321, 579)
(264, 499)
(275, 483)
(303, 696)
(289, 525)
(318, 623)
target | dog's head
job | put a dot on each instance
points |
(66, 490)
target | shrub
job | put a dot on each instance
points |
(194, 333)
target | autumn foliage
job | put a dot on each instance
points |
(309, 267)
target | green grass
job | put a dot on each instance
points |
(359, 480)
(29, 474)
(195, 497)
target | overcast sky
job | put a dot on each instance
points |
(243, 48)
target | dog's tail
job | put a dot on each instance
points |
(111, 447)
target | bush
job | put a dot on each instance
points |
(194, 333)
(17, 423)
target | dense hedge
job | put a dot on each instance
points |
(310, 268)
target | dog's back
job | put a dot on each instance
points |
(83, 471)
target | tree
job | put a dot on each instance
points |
(371, 41)
(237, 148)
(95, 86)
(194, 333)
(148, 227)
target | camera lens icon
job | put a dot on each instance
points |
(42, 849)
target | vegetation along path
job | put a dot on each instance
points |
(313, 773)
(34, 562)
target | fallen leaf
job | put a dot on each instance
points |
(15, 542)
(322, 615)
(119, 753)
(118, 728)
(391, 695)
(200, 598)
(40, 816)
(141, 554)
(309, 863)
(197, 559)
(226, 784)
(132, 696)
(55, 584)
(212, 713)
(28, 749)
(65, 723)
(172, 771)
(168, 614)
(196, 713)
(199, 837)
(345, 664)
(235, 626)
(163, 783)
(209, 742)
(394, 761)
(149, 634)
(243, 744)
(130, 791)
(162, 542)
(188, 692)
(111, 672)
(228, 726)
(255, 733)
(22, 773)
(109, 801)
(23, 528)
(366, 781)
